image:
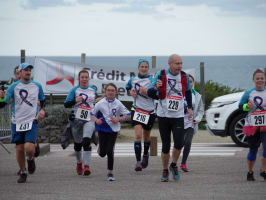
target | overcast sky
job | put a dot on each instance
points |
(132, 27)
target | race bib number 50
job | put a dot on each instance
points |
(23, 126)
(173, 103)
(258, 118)
(141, 116)
(83, 113)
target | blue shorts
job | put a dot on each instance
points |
(22, 137)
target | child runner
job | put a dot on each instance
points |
(107, 118)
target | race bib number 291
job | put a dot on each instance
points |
(258, 118)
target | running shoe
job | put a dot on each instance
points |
(263, 174)
(18, 173)
(138, 166)
(31, 166)
(175, 173)
(86, 171)
(184, 168)
(145, 161)
(37, 150)
(110, 177)
(22, 177)
(250, 176)
(165, 175)
(79, 168)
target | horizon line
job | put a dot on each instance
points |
(133, 55)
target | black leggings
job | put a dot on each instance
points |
(168, 125)
(106, 147)
(189, 132)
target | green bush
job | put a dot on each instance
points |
(128, 104)
(57, 115)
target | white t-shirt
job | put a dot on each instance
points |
(88, 95)
(25, 97)
(141, 101)
(106, 110)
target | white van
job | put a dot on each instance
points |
(224, 118)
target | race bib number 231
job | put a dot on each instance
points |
(23, 126)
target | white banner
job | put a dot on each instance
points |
(59, 77)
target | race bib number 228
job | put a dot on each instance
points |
(173, 103)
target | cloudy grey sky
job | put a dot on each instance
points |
(133, 27)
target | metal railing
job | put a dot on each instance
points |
(5, 131)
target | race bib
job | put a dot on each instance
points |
(83, 113)
(258, 118)
(23, 126)
(141, 116)
(173, 102)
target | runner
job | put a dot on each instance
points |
(142, 112)
(191, 125)
(254, 102)
(170, 86)
(17, 76)
(81, 98)
(107, 114)
(24, 95)
(16, 73)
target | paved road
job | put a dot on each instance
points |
(197, 149)
(212, 177)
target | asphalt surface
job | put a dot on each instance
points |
(211, 177)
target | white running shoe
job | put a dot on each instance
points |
(110, 177)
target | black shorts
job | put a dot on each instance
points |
(147, 126)
(174, 125)
(255, 140)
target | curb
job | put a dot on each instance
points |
(44, 148)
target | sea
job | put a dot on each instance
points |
(232, 71)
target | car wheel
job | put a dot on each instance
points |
(235, 130)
